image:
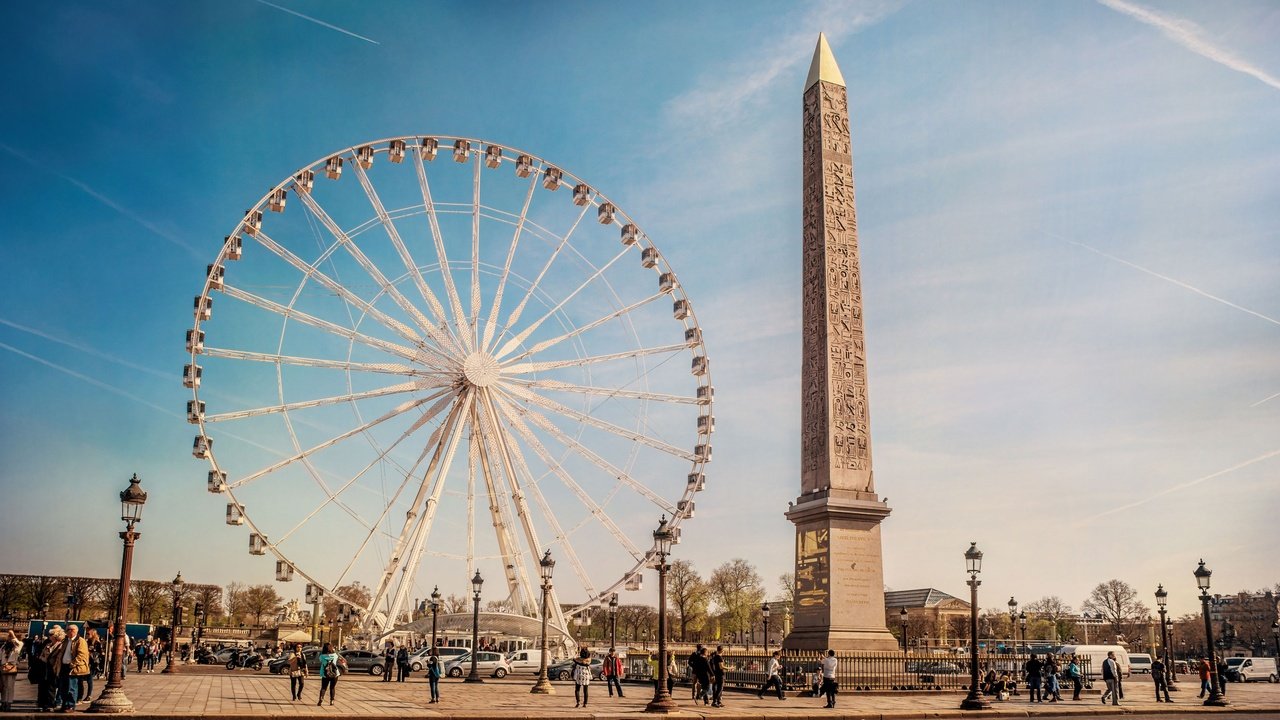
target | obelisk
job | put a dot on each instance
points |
(839, 593)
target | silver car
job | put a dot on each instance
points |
(487, 663)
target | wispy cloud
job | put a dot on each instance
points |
(91, 380)
(1179, 487)
(1190, 36)
(126, 212)
(319, 22)
(1167, 279)
(84, 349)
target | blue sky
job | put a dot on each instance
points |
(1068, 219)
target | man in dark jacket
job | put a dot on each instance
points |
(701, 669)
(1161, 679)
(717, 676)
(1032, 669)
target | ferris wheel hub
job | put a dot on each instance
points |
(481, 369)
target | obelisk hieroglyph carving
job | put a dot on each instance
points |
(839, 594)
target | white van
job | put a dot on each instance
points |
(1095, 654)
(1140, 663)
(1247, 669)
(526, 660)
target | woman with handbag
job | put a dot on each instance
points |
(297, 665)
(9, 654)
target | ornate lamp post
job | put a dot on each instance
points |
(1162, 599)
(435, 612)
(973, 564)
(1275, 635)
(198, 616)
(902, 616)
(1202, 574)
(1013, 622)
(613, 621)
(476, 583)
(1022, 625)
(662, 700)
(113, 699)
(176, 587)
(764, 613)
(546, 566)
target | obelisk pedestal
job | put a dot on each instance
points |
(839, 593)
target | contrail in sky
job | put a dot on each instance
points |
(1190, 36)
(1181, 486)
(85, 349)
(1269, 397)
(106, 201)
(1167, 279)
(90, 380)
(319, 22)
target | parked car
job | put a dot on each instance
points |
(490, 663)
(311, 655)
(418, 660)
(526, 660)
(217, 658)
(361, 661)
(1247, 669)
(563, 670)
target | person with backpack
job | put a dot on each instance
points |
(434, 670)
(331, 668)
(581, 677)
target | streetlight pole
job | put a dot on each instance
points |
(973, 564)
(903, 617)
(662, 701)
(435, 612)
(764, 613)
(1162, 599)
(1216, 699)
(476, 583)
(1022, 625)
(547, 566)
(113, 699)
(1013, 622)
(170, 666)
(1275, 635)
(613, 621)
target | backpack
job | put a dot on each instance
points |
(331, 670)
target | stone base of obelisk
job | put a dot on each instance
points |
(839, 573)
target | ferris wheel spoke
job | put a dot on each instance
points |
(475, 249)
(412, 267)
(312, 272)
(524, 334)
(537, 418)
(608, 427)
(384, 368)
(306, 404)
(523, 466)
(530, 367)
(437, 237)
(491, 325)
(313, 321)
(528, 294)
(561, 386)
(440, 335)
(578, 331)
(395, 412)
(596, 511)
(519, 589)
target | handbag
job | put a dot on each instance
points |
(9, 669)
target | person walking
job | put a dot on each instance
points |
(1160, 679)
(1111, 676)
(153, 654)
(50, 656)
(613, 671)
(1077, 682)
(717, 676)
(1206, 677)
(331, 668)
(402, 664)
(829, 685)
(1052, 689)
(434, 670)
(388, 662)
(1032, 670)
(140, 652)
(773, 677)
(297, 665)
(10, 653)
(701, 669)
(581, 677)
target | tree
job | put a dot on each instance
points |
(455, 603)
(357, 593)
(1056, 612)
(236, 601)
(787, 588)
(210, 599)
(737, 590)
(1118, 603)
(11, 592)
(42, 590)
(689, 596)
(150, 599)
(261, 600)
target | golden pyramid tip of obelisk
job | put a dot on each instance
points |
(824, 66)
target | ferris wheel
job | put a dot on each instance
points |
(447, 357)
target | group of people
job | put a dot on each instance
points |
(62, 664)
(397, 661)
(333, 666)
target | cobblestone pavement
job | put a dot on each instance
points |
(215, 692)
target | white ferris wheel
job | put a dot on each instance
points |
(447, 356)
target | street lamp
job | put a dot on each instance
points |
(198, 616)
(1013, 621)
(435, 612)
(662, 700)
(1162, 599)
(546, 566)
(902, 616)
(1022, 624)
(764, 613)
(613, 621)
(973, 564)
(1275, 635)
(476, 583)
(113, 699)
(1202, 574)
(176, 586)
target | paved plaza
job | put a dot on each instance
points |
(215, 692)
